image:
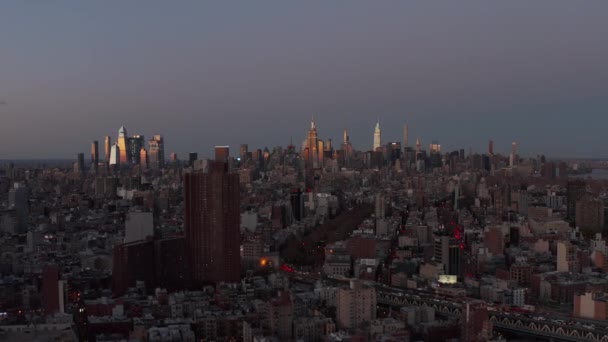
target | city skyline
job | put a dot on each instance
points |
(209, 75)
(363, 146)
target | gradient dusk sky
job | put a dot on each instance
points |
(231, 72)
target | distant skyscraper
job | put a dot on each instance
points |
(312, 152)
(143, 158)
(347, 149)
(435, 147)
(377, 136)
(18, 200)
(94, 155)
(135, 143)
(212, 223)
(79, 167)
(297, 204)
(244, 151)
(418, 145)
(115, 155)
(513, 154)
(327, 145)
(107, 147)
(222, 153)
(405, 136)
(173, 157)
(123, 146)
(156, 152)
(192, 157)
(491, 148)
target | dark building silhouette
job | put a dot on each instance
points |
(297, 204)
(192, 157)
(548, 171)
(576, 188)
(212, 220)
(133, 262)
(158, 263)
(514, 236)
(50, 289)
(134, 145)
(171, 264)
(79, 163)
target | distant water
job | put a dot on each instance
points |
(598, 174)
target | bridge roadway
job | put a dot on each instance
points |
(535, 325)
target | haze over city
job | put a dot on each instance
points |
(204, 74)
(271, 171)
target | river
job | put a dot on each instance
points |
(597, 174)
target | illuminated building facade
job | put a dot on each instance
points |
(377, 137)
(94, 155)
(212, 223)
(435, 147)
(107, 147)
(115, 155)
(123, 146)
(313, 148)
(143, 159)
(222, 153)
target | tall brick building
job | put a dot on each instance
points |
(212, 224)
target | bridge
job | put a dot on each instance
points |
(531, 325)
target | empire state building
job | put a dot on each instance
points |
(313, 147)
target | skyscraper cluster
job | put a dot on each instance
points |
(129, 151)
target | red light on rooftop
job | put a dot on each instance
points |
(287, 268)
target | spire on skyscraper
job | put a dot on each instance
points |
(405, 136)
(312, 123)
(377, 136)
(345, 136)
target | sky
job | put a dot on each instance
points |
(205, 73)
